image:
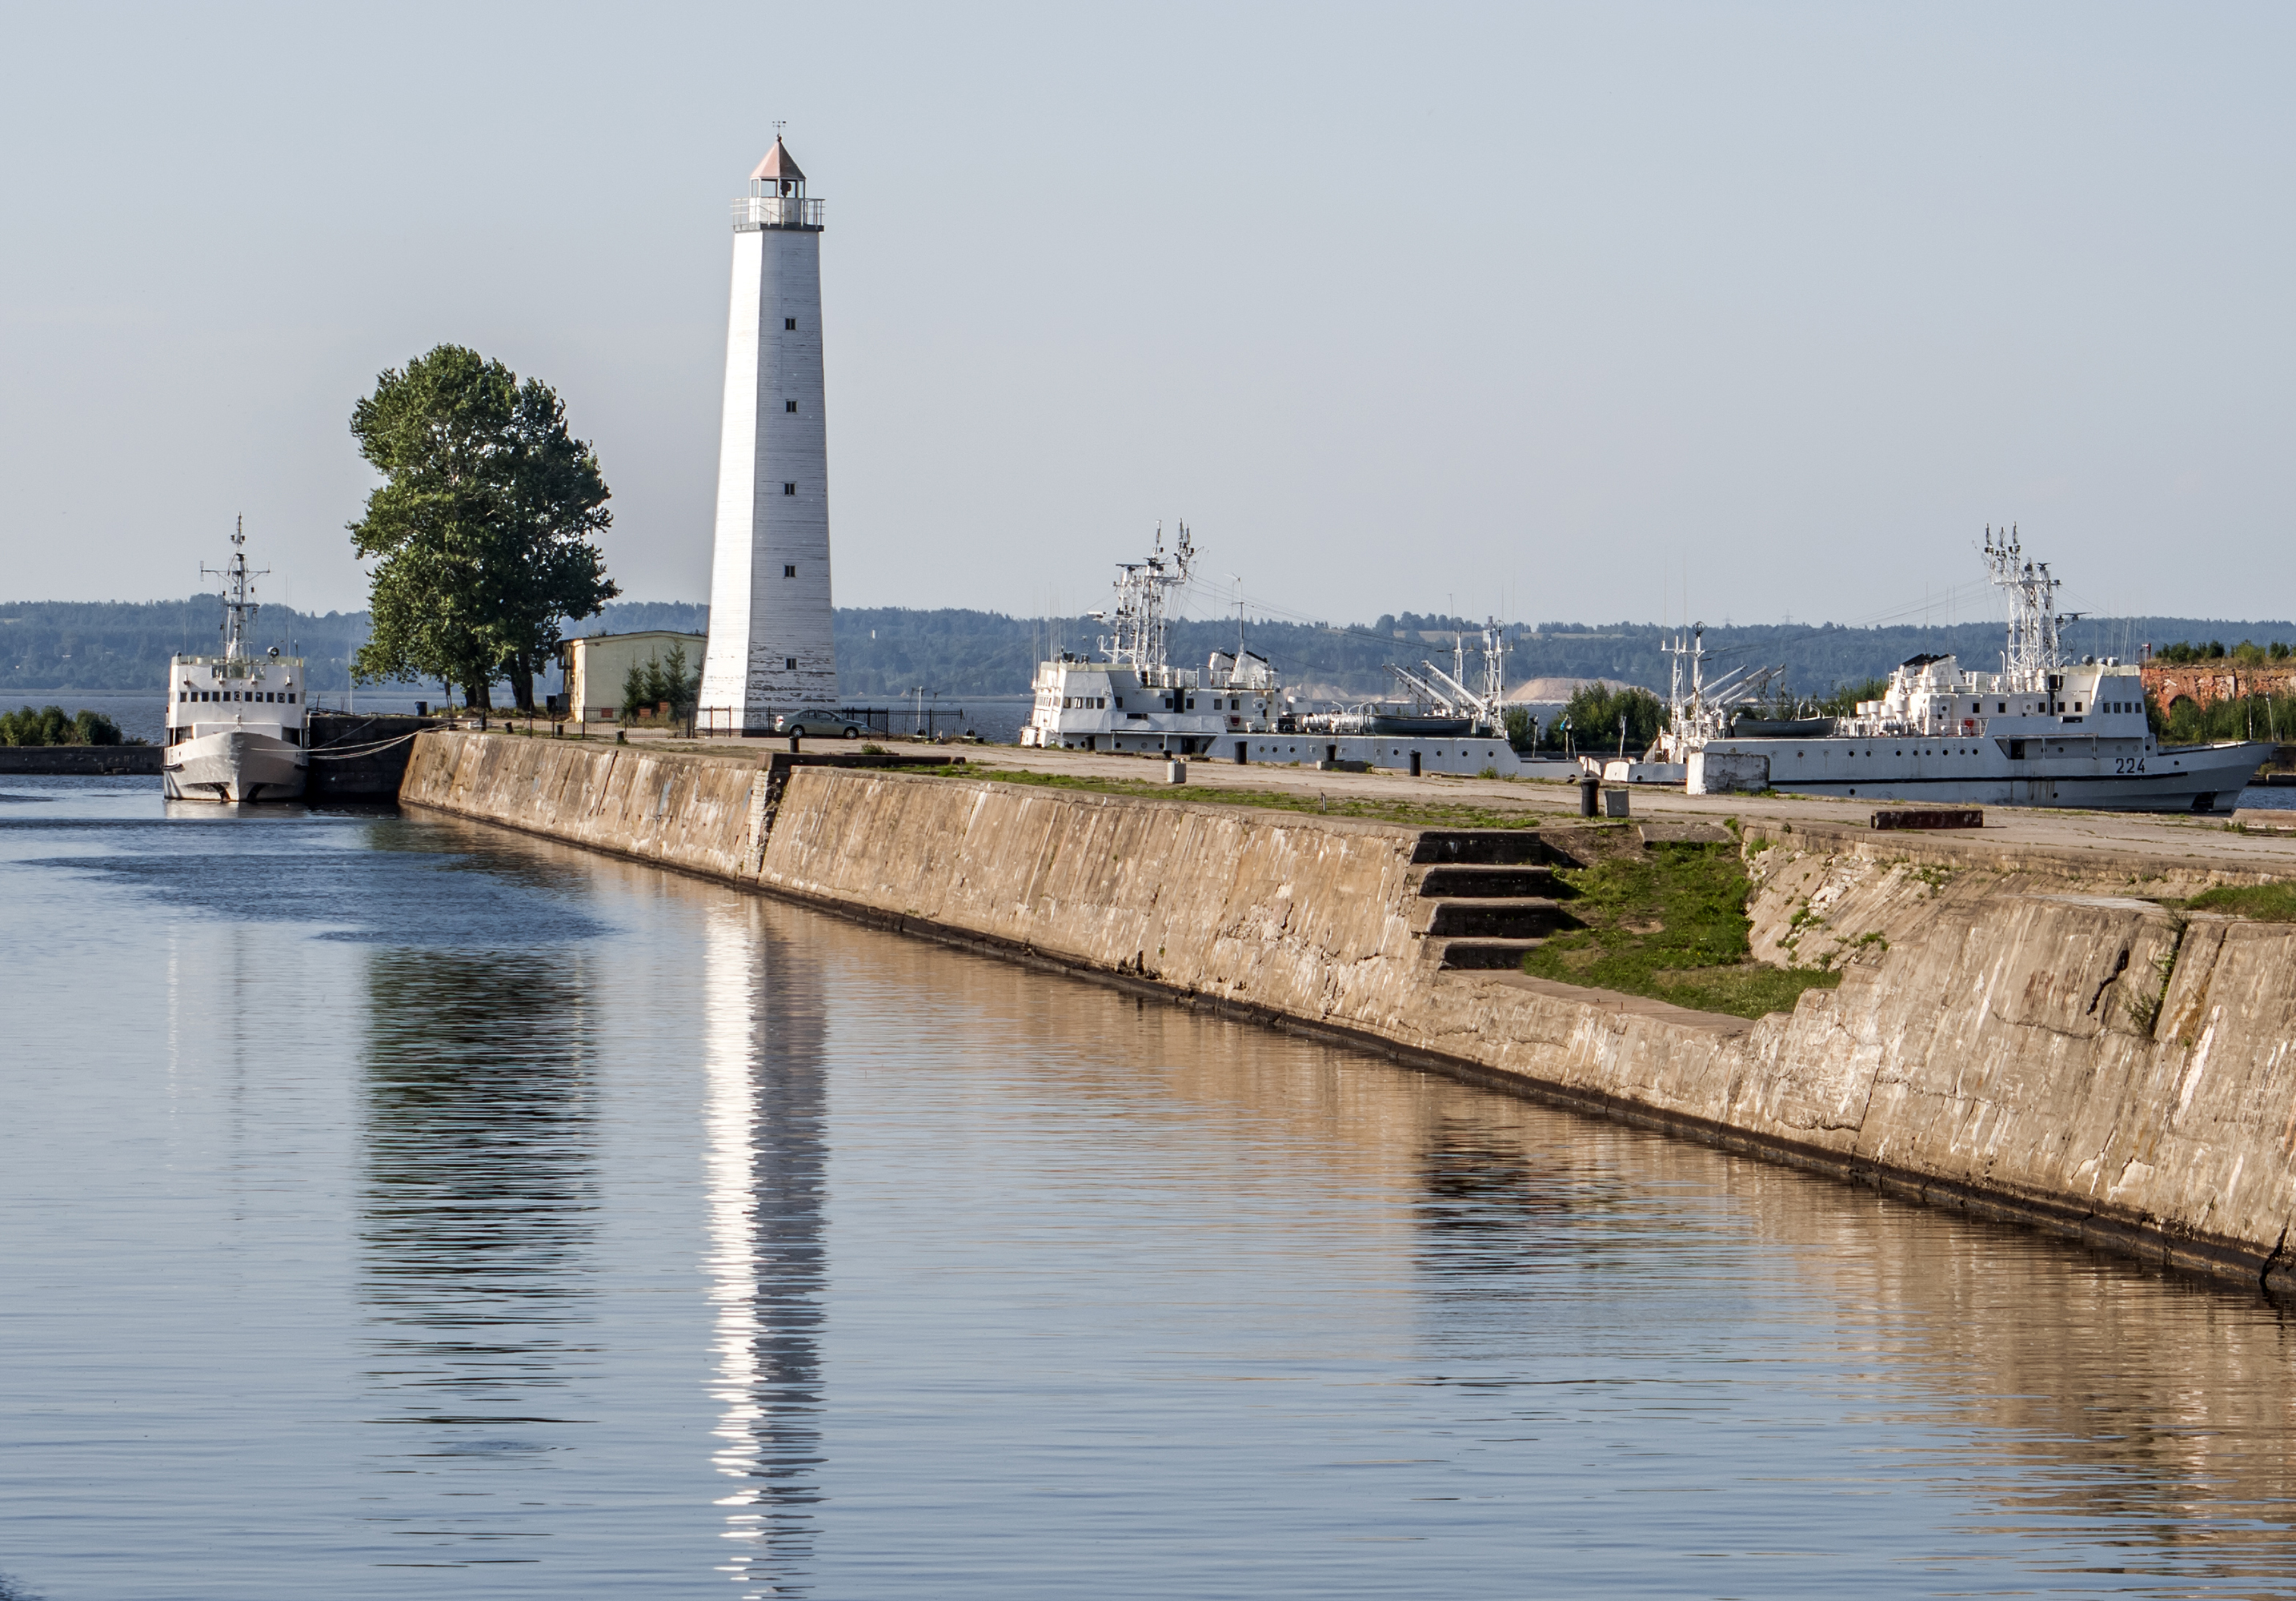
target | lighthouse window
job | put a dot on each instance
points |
(789, 489)
(789, 571)
(789, 406)
(789, 322)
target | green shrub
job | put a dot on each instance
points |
(50, 727)
(1593, 715)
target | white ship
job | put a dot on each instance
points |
(2043, 731)
(235, 721)
(1131, 699)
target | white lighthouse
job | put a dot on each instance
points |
(771, 664)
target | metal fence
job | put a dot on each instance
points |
(777, 212)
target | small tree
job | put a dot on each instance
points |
(681, 689)
(1594, 714)
(658, 680)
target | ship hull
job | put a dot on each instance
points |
(2202, 778)
(234, 765)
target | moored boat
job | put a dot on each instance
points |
(2043, 731)
(235, 721)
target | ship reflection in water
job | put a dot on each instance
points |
(416, 1197)
(764, 1030)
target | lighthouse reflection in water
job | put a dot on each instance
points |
(765, 1027)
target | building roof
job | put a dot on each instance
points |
(778, 164)
(573, 639)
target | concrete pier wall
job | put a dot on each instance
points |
(2045, 1047)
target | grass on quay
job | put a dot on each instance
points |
(1670, 923)
(2266, 903)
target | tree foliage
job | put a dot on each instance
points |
(659, 681)
(50, 726)
(2247, 653)
(482, 527)
(1594, 713)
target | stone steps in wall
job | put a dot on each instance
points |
(1486, 897)
(1519, 917)
(1477, 954)
(1483, 847)
(1448, 883)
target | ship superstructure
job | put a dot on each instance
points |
(235, 721)
(2043, 731)
(1130, 697)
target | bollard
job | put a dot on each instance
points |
(1175, 772)
(1587, 784)
(794, 739)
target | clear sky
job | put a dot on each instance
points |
(1544, 310)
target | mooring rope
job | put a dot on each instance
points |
(329, 753)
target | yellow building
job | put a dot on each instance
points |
(597, 664)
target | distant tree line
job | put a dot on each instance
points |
(2247, 653)
(883, 653)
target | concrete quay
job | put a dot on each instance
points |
(81, 761)
(2198, 850)
(2023, 1030)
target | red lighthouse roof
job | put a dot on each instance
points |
(778, 164)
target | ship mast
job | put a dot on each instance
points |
(2035, 648)
(239, 607)
(1139, 618)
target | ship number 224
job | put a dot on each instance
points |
(2129, 764)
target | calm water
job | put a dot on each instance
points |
(404, 1209)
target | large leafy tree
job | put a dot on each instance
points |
(481, 529)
